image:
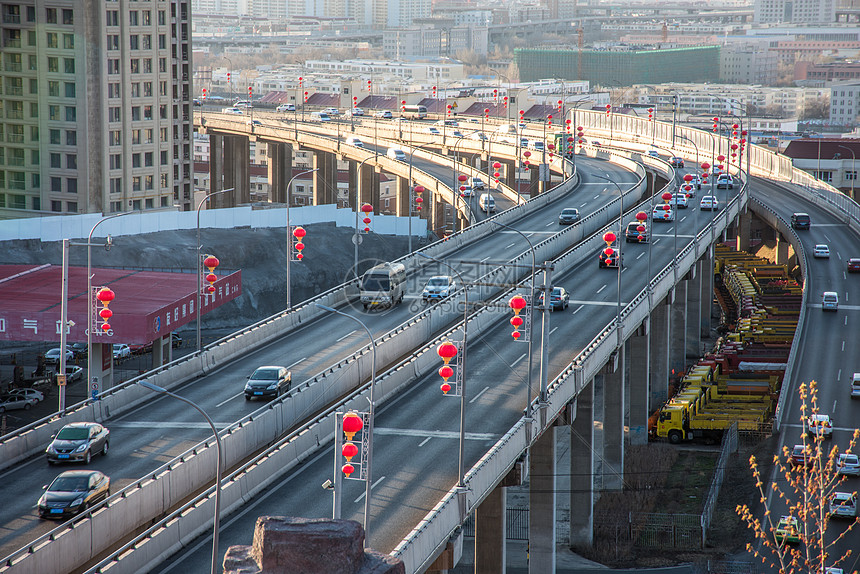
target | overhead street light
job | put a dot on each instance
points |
(218, 465)
(620, 258)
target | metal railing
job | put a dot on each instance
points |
(729, 446)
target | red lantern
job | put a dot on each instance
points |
(609, 251)
(445, 388)
(300, 246)
(105, 314)
(299, 233)
(105, 326)
(366, 220)
(688, 178)
(105, 295)
(666, 196)
(515, 334)
(721, 158)
(352, 423)
(527, 154)
(447, 351)
(367, 208)
(446, 372)
(640, 228)
(419, 200)
(419, 189)
(609, 237)
(211, 277)
(641, 216)
(462, 178)
(705, 166)
(517, 322)
(347, 469)
(211, 262)
(497, 165)
(349, 450)
(517, 303)
(210, 289)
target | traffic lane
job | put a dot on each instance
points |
(229, 380)
(421, 418)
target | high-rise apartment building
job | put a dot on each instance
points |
(794, 11)
(95, 106)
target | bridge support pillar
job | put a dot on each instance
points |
(280, 170)
(693, 339)
(102, 355)
(784, 251)
(352, 178)
(582, 470)
(742, 229)
(375, 200)
(613, 423)
(659, 369)
(534, 182)
(216, 167)
(638, 371)
(491, 533)
(162, 351)
(542, 504)
(402, 196)
(237, 161)
(510, 173)
(438, 216)
(365, 185)
(678, 329)
(325, 179)
(706, 271)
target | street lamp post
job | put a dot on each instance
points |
(197, 254)
(411, 192)
(853, 169)
(368, 474)
(356, 239)
(289, 194)
(620, 258)
(90, 296)
(683, 137)
(218, 464)
(461, 473)
(230, 78)
(531, 316)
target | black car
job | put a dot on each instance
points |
(632, 234)
(800, 221)
(568, 215)
(610, 261)
(78, 442)
(73, 492)
(267, 383)
(559, 299)
(677, 162)
(175, 340)
(79, 349)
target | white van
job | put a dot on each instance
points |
(383, 284)
(510, 129)
(286, 108)
(320, 117)
(234, 111)
(830, 301)
(855, 386)
(487, 203)
(396, 153)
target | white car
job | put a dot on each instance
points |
(27, 394)
(821, 250)
(679, 199)
(479, 136)
(457, 134)
(354, 141)
(843, 504)
(848, 464)
(820, 425)
(725, 181)
(434, 131)
(709, 202)
(357, 112)
(438, 287)
(286, 108)
(332, 112)
(74, 374)
(121, 351)
(663, 213)
(53, 356)
(653, 153)
(384, 114)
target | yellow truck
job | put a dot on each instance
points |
(702, 412)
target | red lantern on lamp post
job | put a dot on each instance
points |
(105, 296)
(367, 209)
(298, 234)
(210, 262)
(352, 424)
(446, 352)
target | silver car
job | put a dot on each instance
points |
(78, 442)
(848, 464)
(16, 402)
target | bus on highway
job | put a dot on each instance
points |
(415, 112)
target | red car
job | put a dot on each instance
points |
(854, 265)
(798, 456)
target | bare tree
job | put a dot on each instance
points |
(795, 542)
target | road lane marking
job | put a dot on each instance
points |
(843, 346)
(838, 375)
(825, 237)
(846, 320)
(225, 401)
(578, 309)
(656, 241)
(553, 330)
(521, 357)
(297, 362)
(834, 407)
(345, 336)
(683, 218)
(509, 246)
(584, 204)
(640, 255)
(485, 389)
(372, 486)
(485, 258)
(672, 235)
(425, 441)
(170, 425)
(583, 303)
(602, 288)
(841, 307)
(596, 196)
(386, 431)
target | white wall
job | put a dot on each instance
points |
(78, 226)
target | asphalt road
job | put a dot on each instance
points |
(149, 436)
(828, 349)
(416, 434)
